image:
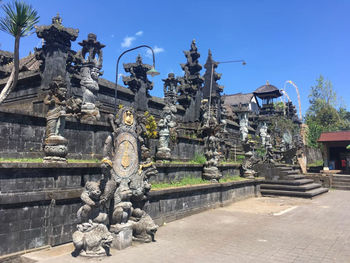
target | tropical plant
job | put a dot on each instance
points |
(19, 21)
(151, 126)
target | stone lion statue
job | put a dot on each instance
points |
(92, 239)
(143, 227)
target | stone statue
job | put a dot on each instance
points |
(143, 226)
(263, 133)
(92, 240)
(210, 170)
(250, 159)
(91, 199)
(243, 126)
(122, 205)
(123, 148)
(167, 122)
(210, 128)
(59, 107)
(89, 60)
(55, 144)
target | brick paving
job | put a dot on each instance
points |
(254, 230)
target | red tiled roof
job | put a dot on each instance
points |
(334, 136)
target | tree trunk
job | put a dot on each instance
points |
(12, 81)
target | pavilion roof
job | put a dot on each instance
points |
(267, 91)
(334, 136)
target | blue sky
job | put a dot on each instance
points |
(280, 40)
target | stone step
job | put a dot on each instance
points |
(299, 188)
(341, 187)
(290, 182)
(341, 178)
(296, 176)
(308, 194)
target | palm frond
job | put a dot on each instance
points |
(19, 19)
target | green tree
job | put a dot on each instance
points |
(19, 20)
(322, 114)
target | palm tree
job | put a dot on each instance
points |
(19, 21)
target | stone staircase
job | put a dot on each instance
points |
(290, 182)
(341, 182)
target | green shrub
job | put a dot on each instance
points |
(198, 159)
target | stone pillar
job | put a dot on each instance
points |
(55, 50)
(325, 155)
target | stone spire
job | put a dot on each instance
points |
(138, 82)
(190, 90)
(210, 83)
(55, 50)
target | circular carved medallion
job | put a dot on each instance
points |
(126, 159)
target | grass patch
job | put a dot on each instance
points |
(189, 181)
(40, 160)
(316, 164)
(21, 160)
(198, 159)
(232, 162)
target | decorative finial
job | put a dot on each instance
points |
(57, 20)
(267, 82)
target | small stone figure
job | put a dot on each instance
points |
(143, 226)
(92, 240)
(165, 124)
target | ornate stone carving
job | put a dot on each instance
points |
(123, 186)
(138, 82)
(89, 60)
(190, 93)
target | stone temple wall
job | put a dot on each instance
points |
(39, 202)
(24, 133)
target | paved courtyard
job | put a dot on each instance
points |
(255, 230)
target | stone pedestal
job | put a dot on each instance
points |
(90, 113)
(163, 154)
(122, 235)
(55, 149)
(211, 173)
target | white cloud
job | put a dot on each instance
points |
(127, 41)
(139, 33)
(120, 75)
(156, 50)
